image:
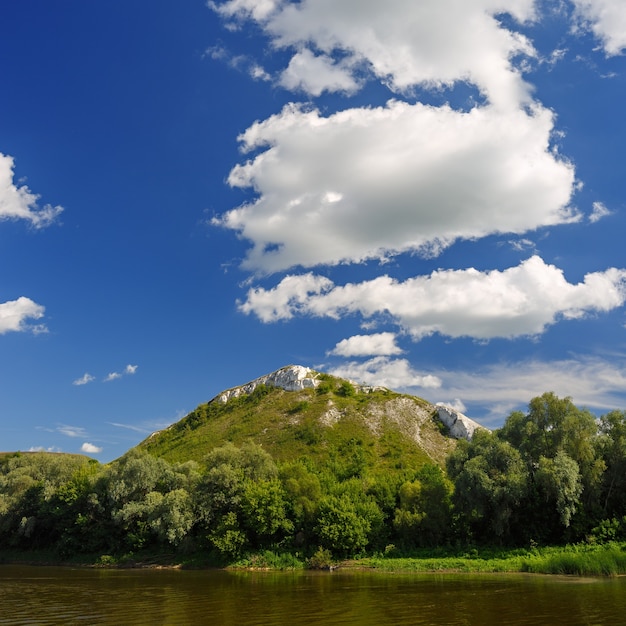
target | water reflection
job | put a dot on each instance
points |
(50, 595)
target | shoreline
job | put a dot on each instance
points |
(607, 560)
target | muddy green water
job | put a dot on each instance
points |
(59, 595)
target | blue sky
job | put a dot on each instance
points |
(424, 195)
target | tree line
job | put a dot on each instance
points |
(554, 474)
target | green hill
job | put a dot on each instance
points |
(297, 412)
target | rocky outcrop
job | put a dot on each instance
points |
(290, 378)
(459, 425)
(298, 377)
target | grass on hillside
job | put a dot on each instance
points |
(290, 425)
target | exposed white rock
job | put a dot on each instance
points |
(460, 426)
(290, 378)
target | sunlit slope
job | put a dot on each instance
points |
(329, 421)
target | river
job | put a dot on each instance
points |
(65, 595)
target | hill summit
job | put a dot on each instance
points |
(297, 412)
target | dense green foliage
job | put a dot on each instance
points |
(552, 475)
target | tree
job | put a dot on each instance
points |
(424, 515)
(239, 489)
(552, 436)
(339, 527)
(612, 446)
(490, 481)
(560, 483)
(303, 492)
(264, 512)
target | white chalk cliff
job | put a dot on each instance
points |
(460, 426)
(290, 378)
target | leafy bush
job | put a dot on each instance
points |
(321, 559)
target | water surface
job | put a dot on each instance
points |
(63, 595)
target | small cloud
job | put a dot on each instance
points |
(42, 449)
(379, 344)
(85, 379)
(456, 404)
(129, 370)
(258, 73)
(15, 313)
(90, 448)
(71, 431)
(522, 245)
(599, 211)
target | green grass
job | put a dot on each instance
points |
(576, 560)
(582, 560)
(291, 425)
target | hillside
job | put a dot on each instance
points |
(298, 412)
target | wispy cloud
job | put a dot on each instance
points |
(497, 389)
(85, 379)
(240, 62)
(129, 370)
(72, 431)
(137, 429)
(599, 211)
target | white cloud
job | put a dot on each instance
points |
(522, 245)
(255, 9)
(592, 382)
(378, 344)
(386, 372)
(43, 449)
(518, 301)
(19, 202)
(607, 20)
(599, 211)
(315, 74)
(90, 448)
(129, 370)
(71, 431)
(15, 313)
(240, 62)
(290, 297)
(435, 42)
(137, 429)
(85, 379)
(455, 404)
(369, 182)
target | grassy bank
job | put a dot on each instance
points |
(575, 560)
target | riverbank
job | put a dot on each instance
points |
(577, 560)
